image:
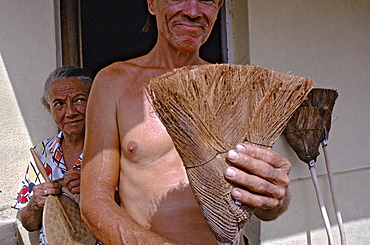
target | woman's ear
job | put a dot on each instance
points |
(151, 6)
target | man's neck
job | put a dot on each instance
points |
(172, 58)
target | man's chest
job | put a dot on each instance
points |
(142, 135)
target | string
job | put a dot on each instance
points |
(222, 152)
(254, 143)
(203, 163)
(303, 130)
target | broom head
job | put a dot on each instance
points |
(310, 124)
(304, 132)
(322, 98)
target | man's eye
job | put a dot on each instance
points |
(210, 2)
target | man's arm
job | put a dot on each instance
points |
(264, 175)
(107, 221)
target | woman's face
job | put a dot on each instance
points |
(68, 99)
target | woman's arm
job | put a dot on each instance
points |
(31, 215)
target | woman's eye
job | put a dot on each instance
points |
(58, 104)
(80, 100)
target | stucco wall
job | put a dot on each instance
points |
(329, 42)
(27, 56)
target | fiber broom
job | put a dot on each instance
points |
(207, 110)
(310, 126)
(325, 98)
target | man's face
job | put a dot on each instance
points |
(185, 24)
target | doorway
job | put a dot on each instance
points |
(112, 30)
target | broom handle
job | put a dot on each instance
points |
(333, 195)
(321, 203)
(44, 174)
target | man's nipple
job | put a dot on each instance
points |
(132, 147)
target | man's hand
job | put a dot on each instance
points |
(262, 179)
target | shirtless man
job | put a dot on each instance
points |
(128, 147)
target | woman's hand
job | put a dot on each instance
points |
(41, 192)
(31, 215)
(262, 177)
(72, 180)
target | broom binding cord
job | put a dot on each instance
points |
(210, 160)
(222, 152)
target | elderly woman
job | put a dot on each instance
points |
(65, 95)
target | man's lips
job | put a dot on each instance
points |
(189, 26)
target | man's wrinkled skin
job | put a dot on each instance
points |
(127, 146)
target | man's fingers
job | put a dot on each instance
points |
(254, 183)
(257, 167)
(257, 201)
(271, 157)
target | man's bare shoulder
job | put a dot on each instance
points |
(131, 72)
(122, 72)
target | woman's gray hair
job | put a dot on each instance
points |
(64, 72)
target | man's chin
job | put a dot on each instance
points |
(189, 44)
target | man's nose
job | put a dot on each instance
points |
(192, 8)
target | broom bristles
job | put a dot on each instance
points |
(269, 122)
(305, 131)
(313, 114)
(209, 109)
(323, 98)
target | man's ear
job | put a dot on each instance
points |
(151, 6)
(221, 3)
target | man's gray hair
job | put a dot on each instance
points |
(65, 72)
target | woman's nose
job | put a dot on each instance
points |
(71, 109)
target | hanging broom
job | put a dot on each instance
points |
(308, 127)
(325, 98)
(207, 110)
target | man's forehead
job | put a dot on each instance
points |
(170, 1)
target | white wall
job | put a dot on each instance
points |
(27, 56)
(328, 41)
